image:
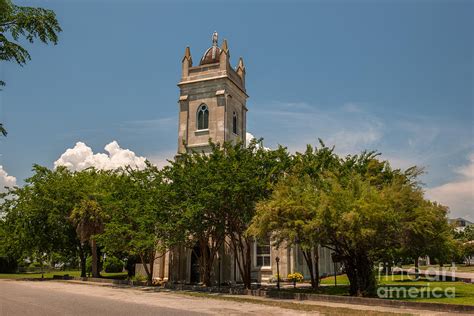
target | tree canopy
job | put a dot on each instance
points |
(357, 206)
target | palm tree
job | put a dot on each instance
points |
(88, 217)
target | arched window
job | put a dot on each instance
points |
(234, 123)
(202, 117)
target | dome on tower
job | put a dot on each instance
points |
(211, 55)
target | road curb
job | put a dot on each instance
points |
(439, 307)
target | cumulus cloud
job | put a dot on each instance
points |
(81, 157)
(6, 180)
(161, 159)
(458, 194)
(249, 137)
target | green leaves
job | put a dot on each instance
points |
(89, 218)
(10, 51)
(357, 206)
(27, 22)
(18, 22)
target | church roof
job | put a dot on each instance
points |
(212, 54)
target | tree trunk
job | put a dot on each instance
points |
(131, 260)
(95, 261)
(316, 265)
(205, 262)
(366, 278)
(82, 258)
(417, 270)
(352, 276)
(360, 271)
(148, 266)
(149, 280)
(248, 265)
(308, 257)
(242, 254)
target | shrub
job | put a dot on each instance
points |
(295, 277)
(113, 265)
(35, 264)
(138, 278)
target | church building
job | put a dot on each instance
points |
(213, 104)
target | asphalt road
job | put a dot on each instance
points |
(17, 298)
(59, 298)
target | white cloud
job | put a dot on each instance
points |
(351, 141)
(349, 127)
(248, 138)
(467, 171)
(6, 180)
(81, 157)
(160, 159)
(457, 194)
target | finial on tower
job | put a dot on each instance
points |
(214, 38)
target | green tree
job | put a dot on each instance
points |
(89, 217)
(35, 216)
(140, 219)
(359, 207)
(290, 215)
(246, 176)
(216, 197)
(358, 225)
(193, 179)
(469, 233)
(425, 230)
(468, 252)
(86, 212)
(24, 22)
(465, 241)
(442, 246)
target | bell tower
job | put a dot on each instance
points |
(212, 99)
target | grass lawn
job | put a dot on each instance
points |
(459, 267)
(49, 275)
(464, 292)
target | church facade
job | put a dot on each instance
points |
(212, 104)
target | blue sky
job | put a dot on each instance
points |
(393, 76)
